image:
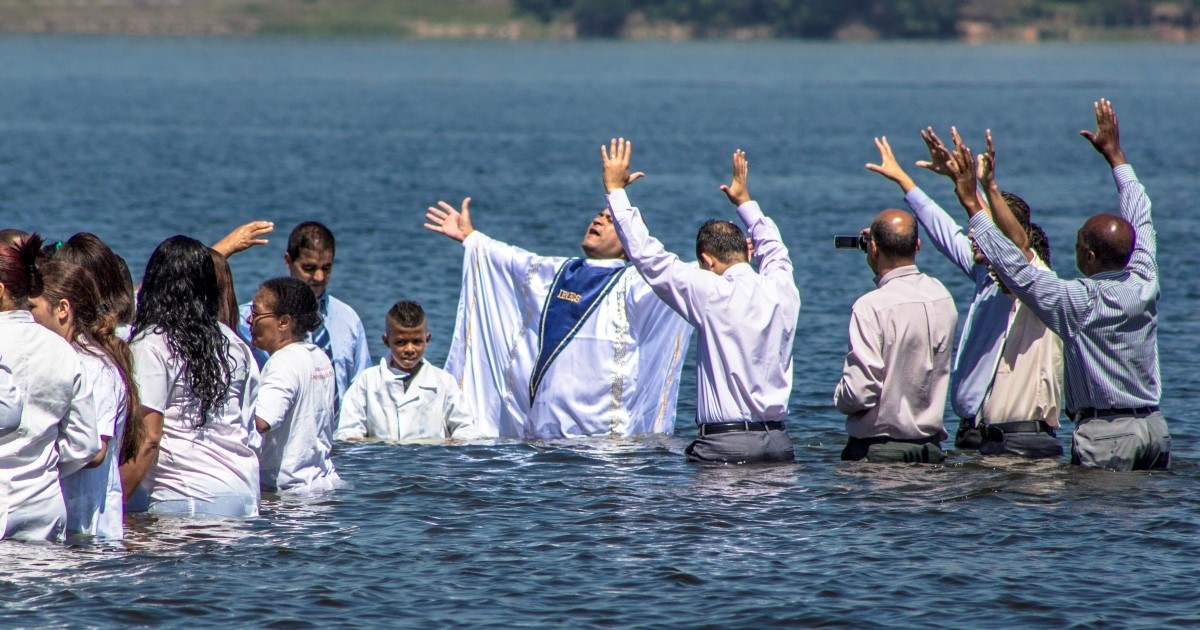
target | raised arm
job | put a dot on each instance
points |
(1001, 214)
(947, 235)
(1135, 205)
(244, 237)
(765, 241)
(679, 285)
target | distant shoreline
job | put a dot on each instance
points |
(487, 20)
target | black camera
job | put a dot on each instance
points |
(851, 242)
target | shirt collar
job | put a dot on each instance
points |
(605, 262)
(898, 272)
(18, 315)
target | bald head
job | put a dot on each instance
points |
(895, 234)
(1105, 243)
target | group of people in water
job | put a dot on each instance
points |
(179, 401)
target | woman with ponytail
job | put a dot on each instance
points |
(195, 381)
(57, 435)
(70, 306)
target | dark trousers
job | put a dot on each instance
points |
(742, 447)
(884, 449)
(1024, 439)
(969, 436)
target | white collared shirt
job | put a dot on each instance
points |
(746, 321)
(897, 370)
(432, 408)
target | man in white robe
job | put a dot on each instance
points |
(552, 347)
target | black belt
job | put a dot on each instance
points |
(713, 428)
(1023, 426)
(1091, 412)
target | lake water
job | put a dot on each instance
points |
(139, 139)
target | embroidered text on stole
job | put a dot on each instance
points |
(577, 290)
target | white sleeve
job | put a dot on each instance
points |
(152, 372)
(460, 421)
(11, 402)
(276, 391)
(78, 438)
(352, 421)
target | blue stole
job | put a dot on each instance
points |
(575, 293)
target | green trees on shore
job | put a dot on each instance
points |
(884, 18)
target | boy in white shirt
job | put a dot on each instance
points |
(405, 398)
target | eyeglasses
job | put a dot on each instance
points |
(253, 317)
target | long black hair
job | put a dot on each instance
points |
(179, 300)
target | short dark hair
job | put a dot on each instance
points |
(310, 235)
(294, 298)
(722, 240)
(406, 314)
(894, 243)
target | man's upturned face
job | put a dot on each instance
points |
(601, 240)
(313, 267)
(407, 345)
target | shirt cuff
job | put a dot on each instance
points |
(618, 201)
(1124, 174)
(750, 213)
(471, 237)
(980, 223)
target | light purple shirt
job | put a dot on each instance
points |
(746, 320)
(897, 370)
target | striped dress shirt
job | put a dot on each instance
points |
(1108, 322)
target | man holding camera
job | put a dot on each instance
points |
(897, 370)
(1006, 379)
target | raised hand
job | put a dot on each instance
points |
(889, 167)
(961, 166)
(244, 237)
(1107, 138)
(737, 191)
(444, 219)
(986, 169)
(616, 159)
(938, 154)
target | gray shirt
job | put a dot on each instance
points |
(897, 370)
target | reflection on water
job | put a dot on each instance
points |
(197, 136)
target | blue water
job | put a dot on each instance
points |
(138, 139)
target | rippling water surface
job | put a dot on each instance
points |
(137, 139)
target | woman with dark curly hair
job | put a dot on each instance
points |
(70, 306)
(195, 381)
(57, 434)
(294, 408)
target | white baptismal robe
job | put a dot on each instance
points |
(93, 495)
(431, 409)
(58, 433)
(618, 374)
